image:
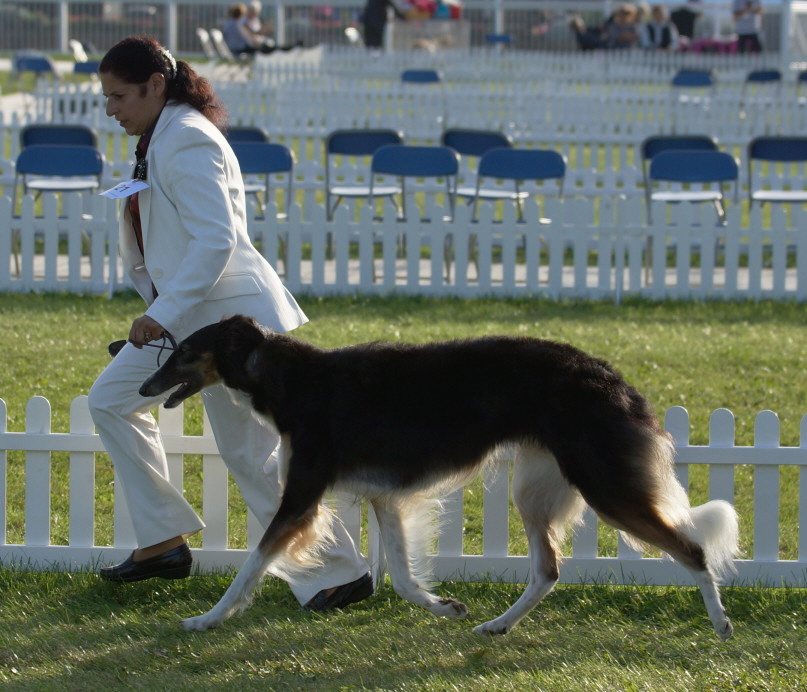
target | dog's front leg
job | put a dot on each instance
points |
(391, 525)
(237, 596)
(293, 523)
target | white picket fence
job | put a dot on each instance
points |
(585, 563)
(592, 248)
(540, 109)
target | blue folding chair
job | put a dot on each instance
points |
(406, 161)
(56, 168)
(361, 143)
(763, 76)
(259, 161)
(421, 76)
(694, 167)
(44, 133)
(776, 149)
(469, 142)
(801, 79)
(498, 40)
(247, 133)
(758, 79)
(693, 78)
(33, 61)
(655, 144)
(516, 166)
(88, 67)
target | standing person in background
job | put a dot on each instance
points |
(659, 32)
(684, 19)
(748, 25)
(184, 245)
(374, 20)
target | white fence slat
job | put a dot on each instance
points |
(495, 529)
(123, 535)
(215, 497)
(803, 496)
(766, 491)
(585, 539)
(3, 473)
(171, 423)
(82, 478)
(450, 522)
(721, 477)
(214, 509)
(37, 476)
(676, 422)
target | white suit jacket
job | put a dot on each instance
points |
(197, 251)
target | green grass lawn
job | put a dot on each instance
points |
(70, 631)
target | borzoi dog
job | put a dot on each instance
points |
(400, 424)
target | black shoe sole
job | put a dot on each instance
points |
(172, 573)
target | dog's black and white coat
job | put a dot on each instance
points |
(399, 424)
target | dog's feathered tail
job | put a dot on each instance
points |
(713, 525)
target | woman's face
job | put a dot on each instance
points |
(134, 106)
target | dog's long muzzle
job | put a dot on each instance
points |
(166, 378)
(156, 385)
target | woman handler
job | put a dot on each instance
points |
(184, 244)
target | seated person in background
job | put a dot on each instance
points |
(620, 30)
(240, 38)
(623, 32)
(588, 37)
(659, 32)
(253, 21)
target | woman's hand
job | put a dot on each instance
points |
(143, 330)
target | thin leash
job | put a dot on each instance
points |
(116, 346)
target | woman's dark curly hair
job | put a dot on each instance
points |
(136, 58)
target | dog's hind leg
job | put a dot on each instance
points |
(393, 520)
(649, 527)
(292, 526)
(648, 502)
(548, 505)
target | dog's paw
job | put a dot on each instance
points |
(492, 627)
(449, 608)
(200, 623)
(725, 631)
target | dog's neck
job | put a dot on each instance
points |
(262, 365)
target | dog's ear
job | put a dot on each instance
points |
(239, 324)
(264, 369)
(252, 365)
(239, 333)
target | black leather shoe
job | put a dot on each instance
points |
(172, 564)
(343, 595)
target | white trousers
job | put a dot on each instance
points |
(131, 436)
